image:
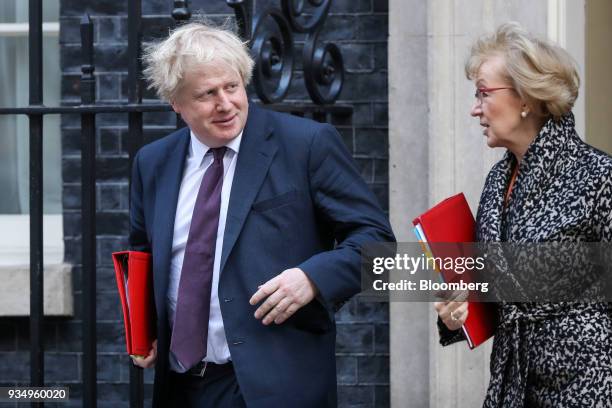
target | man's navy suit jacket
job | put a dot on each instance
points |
(297, 200)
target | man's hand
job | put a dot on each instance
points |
(148, 361)
(285, 294)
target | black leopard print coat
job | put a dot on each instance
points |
(550, 354)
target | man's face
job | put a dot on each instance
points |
(213, 102)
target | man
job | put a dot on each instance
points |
(255, 220)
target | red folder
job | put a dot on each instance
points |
(135, 283)
(452, 221)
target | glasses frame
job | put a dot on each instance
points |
(481, 90)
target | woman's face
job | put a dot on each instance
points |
(500, 110)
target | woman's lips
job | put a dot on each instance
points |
(486, 128)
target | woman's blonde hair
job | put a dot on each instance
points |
(542, 73)
(190, 46)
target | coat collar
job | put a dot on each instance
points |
(540, 157)
(535, 173)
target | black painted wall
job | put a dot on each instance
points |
(359, 28)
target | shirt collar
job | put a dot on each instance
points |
(198, 150)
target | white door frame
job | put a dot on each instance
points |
(566, 27)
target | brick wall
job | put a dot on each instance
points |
(359, 28)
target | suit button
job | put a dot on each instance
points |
(226, 300)
(237, 342)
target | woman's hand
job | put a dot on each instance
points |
(148, 361)
(453, 314)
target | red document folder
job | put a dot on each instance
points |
(452, 221)
(135, 283)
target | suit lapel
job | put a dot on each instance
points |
(256, 153)
(167, 184)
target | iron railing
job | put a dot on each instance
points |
(270, 36)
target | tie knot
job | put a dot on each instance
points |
(218, 153)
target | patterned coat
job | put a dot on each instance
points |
(550, 354)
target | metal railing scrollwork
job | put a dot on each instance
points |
(270, 35)
(323, 65)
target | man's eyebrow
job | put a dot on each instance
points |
(202, 90)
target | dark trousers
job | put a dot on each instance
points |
(194, 392)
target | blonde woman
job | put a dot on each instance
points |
(549, 187)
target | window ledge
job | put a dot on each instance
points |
(15, 290)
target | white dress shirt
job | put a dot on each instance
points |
(196, 163)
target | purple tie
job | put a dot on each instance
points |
(190, 331)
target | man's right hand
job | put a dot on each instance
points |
(148, 361)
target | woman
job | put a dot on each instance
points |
(549, 187)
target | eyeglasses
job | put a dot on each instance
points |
(482, 92)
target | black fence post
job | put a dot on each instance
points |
(134, 142)
(37, 357)
(134, 75)
(180, 13)
(88, 215)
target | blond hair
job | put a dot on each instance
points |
(193, 45)
(543, 74)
